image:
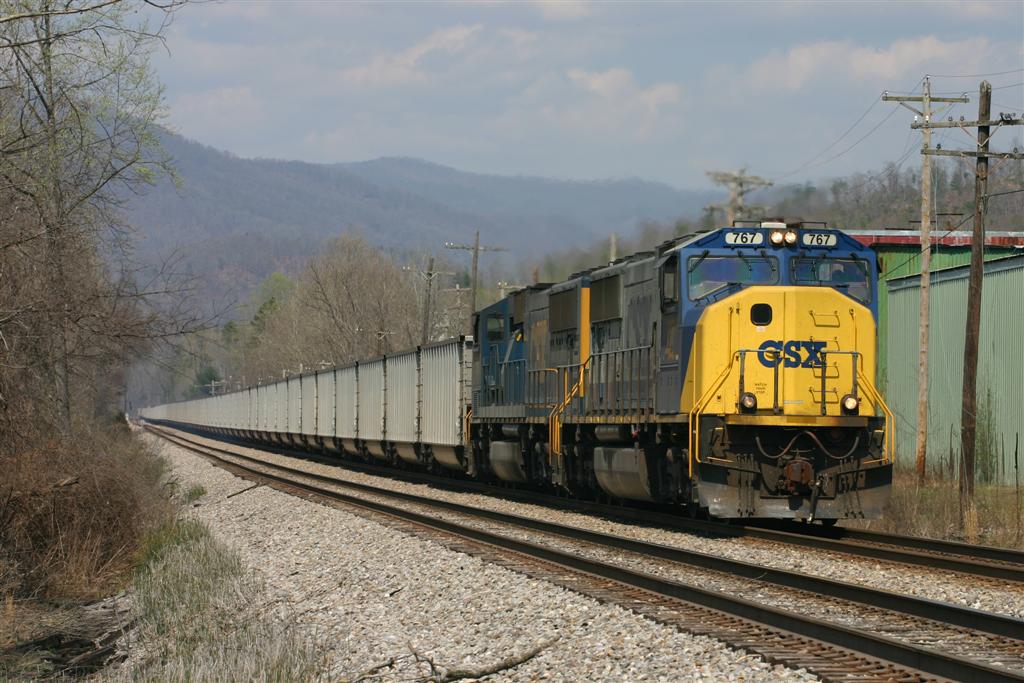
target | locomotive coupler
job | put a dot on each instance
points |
(797, 475)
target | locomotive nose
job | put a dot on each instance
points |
(799, 350)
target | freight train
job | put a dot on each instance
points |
(728, 373)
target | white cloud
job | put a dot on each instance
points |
(405, 67)
(218, 109)
(976, 9)
(602, 103)
(801, 65)
(561, 10)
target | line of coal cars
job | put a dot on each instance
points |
(407, 407)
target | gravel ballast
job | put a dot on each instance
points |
(983, 594)
(372, 594)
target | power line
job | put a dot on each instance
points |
(999, 194)
(947, 233)
(834, 143)
(998, 87)
(1011, 107)
(860, 140)
(810, 162)
(895, 168)
(938, 239)
(994, 73)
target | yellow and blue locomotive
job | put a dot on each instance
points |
(731, 372)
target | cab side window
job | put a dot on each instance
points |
(495, 327)
(670, 281)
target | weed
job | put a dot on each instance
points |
(193, 494)
(197, 620)
(933, 510)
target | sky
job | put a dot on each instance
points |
(585, 90)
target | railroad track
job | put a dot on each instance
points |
(886, 637)
(980, 561)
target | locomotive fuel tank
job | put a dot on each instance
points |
(622, 472)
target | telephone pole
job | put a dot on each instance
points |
(925, 113)
(476, 248)
(984, 124)
(505, 287)
(430, 275)
(740, 184)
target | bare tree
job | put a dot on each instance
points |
(79, 108)
(353, 301)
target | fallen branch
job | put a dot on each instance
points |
(372, 672)
(446, 675)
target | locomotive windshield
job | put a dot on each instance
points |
(711, 274)
(847, 275)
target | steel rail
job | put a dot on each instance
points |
(931, 545)
(904, 654)
(947, 613)
(994, 563)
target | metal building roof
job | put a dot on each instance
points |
(957, 238)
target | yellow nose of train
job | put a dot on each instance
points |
(782, 409)
(797, 353)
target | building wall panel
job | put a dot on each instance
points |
(1000, 366)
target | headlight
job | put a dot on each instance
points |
(791, 237)
(850, 404)
(748, 402)
(776, 237)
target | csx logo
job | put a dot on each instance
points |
(795, 354)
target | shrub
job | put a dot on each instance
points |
(73, 513)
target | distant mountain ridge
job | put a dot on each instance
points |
(234, 221)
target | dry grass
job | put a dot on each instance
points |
(72, 514)
(199, 618)
(934, 510)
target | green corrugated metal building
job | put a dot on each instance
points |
(899, 255)
(1000, 367)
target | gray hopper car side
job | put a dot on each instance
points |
(410, 406)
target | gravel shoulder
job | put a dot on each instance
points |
(372, 594)
(988, 595)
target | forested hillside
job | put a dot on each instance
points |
(888, 198)
(234, 221)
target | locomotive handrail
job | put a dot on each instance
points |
(638, 397)
(859, 379)
(698, 408)
(890, 419)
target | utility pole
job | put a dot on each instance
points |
(381, 336)
(740, 184)
(969, 412)
(984, 124)
(476, 248)
(429, 276)
(925, 113)
(505, 287)
(457, 303)
(213, 386)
